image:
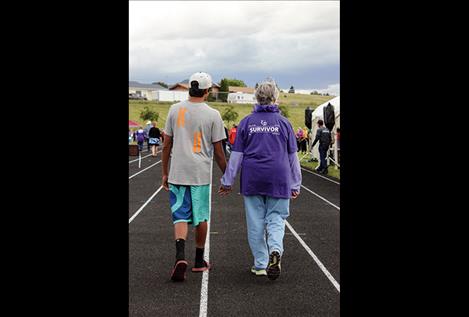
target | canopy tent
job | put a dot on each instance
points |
(318, 115)
(133, 124)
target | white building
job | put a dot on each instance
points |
(149, 91)
(172, 95)
(239, 97)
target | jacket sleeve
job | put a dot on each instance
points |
(318, 136)
(234, 164)
(295, 172)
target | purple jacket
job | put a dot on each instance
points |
(265, 150)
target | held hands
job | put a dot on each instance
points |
(294, 194)
(224, 190)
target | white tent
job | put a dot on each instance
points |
(318, 115)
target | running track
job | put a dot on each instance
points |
(308, 286)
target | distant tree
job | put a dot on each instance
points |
(235, 82)
(292, 90)
(148, 114)
(161, 84)
(314, 92)
(224, 89)
(229, 115)
(284, 111)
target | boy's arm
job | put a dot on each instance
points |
(219, 156)
(167, 146)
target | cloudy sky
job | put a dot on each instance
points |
(294, 42)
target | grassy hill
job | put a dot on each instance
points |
(296, 104)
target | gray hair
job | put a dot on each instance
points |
(267, 92)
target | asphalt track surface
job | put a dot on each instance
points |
(303, 288)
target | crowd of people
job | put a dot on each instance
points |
(150, 135)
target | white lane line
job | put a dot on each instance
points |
(315, 258)
(143, 157)
(330, 180)
(137, 159)
(146, 203)
(145, 169)
(204, 288)
(327, 201)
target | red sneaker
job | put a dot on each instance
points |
(179, 271)
(204, 268)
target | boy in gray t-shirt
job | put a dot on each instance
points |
(193, 133)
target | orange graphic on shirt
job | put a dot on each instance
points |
(197, 142)
(180, 119)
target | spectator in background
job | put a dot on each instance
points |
(299, 136)
(232, 135)
(323, 136)
(140, 136)
(147, 130)
(154, 138)
(224, 141)
(134, 135)
(338, 144)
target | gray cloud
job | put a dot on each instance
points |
(175, 38)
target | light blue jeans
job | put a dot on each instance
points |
(265, 216)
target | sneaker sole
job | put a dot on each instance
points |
(207, 267)
(179, 272)
(273, 272)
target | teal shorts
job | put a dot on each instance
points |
(189, 203)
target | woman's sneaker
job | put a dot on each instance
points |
(273, 270)
(258, 272)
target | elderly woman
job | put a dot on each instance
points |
(265, 147)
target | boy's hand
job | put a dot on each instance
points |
(164, 182)
(224, 190)
(294, 194)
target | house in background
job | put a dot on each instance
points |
(241, 97)
(149, 91)
(245, 90)
(184, 86)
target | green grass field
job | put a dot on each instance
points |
(296, 104)
(312, 165)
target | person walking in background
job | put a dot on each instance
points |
(305, 140)
(147, 130)
(266, 148)
(323, 136)
(154, 138)
(193, 133)
(299, 136)
(140, 136)
(338, 144)
(225, 141)
(232, 135)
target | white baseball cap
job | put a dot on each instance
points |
(204, 80)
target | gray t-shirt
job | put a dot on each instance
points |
(194, 127)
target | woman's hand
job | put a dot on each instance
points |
(294, 194)
(224, 190)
